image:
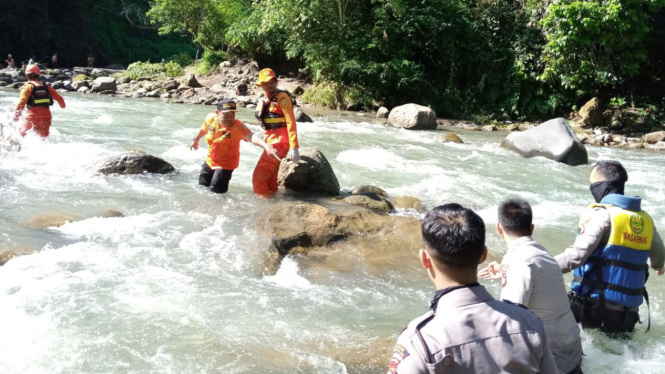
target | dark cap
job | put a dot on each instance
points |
(226, 105)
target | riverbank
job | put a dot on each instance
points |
(594, 124)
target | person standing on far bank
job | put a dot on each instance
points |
(467, 331)
(223, 134)
(91, 61)
(54, 61)
(530, 276)
(10, 62)
(275, 113)
(616, 240)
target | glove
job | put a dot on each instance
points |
(293, 155)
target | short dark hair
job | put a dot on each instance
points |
(612, 171)
(454, 235)
(516, 217)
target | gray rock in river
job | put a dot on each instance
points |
(135, 162)
(300, 115)
(383, 112)
(412, 117)
(103, 84)
(312, 173)
(553, 139)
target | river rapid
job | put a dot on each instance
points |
(177, 284)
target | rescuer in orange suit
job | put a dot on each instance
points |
(38, 97)
(275, 113)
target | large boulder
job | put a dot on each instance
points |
(312, 173)
(412, 117)
(383, 112)
(299, 228)
(136, 163)
(591, 113)
(654, 137)
(553, 139)
(191, 81)
(171, 85)
(300, 115)
(103, 84)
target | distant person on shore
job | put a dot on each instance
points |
(33, 60)
(10, 62)
(467, 330)
(91, 61)
(54, 61)
(615, 242)
(24, 66)
(38, 97)
(531, 276)
(223, 134)
(275, 113)
(241, 89)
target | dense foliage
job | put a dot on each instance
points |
(161, 70)
(113, 31)
(522, 58)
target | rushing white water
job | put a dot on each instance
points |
(176, 285)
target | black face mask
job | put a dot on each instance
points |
(602, 189)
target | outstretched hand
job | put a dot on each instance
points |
(492, 271)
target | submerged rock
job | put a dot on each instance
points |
(312, 173)
(553, 139)
(45, 220)
(412, 117)
(299, 228)
(451, 137)
(136, 163)
(409, 202)
(6, 255)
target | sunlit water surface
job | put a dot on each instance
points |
(177, 284)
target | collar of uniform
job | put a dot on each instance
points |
(518, 241)
(464, 296)
(633, 203)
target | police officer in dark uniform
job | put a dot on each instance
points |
(467, 330)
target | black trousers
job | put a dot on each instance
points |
(217, 180)
(591, 314)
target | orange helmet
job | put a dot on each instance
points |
(266, 75)
(34, 69)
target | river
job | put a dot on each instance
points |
(176, 285)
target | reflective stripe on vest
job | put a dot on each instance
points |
(40, 97)
(623, 260)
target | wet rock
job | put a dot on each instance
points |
(451, 137)
(170, 85)
(312, 173)
(69, 86)
(78, 84)
(412, 117)
(591, 113)
(367, 189)
(165, 95)
(6, 255)
(109, 92)
(654, 137)
(137, 95)
(635, 145)
(103, 84)
(409, 202)
(192, 82)
(300, 115)
(154, 93)
(136, 163)
(553, 139)
(83, 89)
(488, 128)
(46, 220)
(383, 112)
(371, 201)
(298, 228)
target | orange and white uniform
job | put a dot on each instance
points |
(38, 117)
(223, 142)
(278, 120)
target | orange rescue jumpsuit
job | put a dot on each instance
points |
(281, 139)
(38, 118)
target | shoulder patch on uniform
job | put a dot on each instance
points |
(399, 354)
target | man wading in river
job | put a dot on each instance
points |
(223, 134)
(275, 113)
(38, 97)
(530, 276)
(615, 241)
(467, 330)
